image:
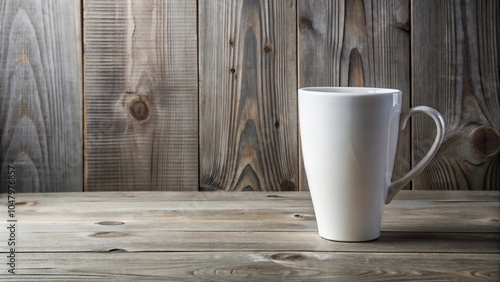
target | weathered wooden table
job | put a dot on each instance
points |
(174, 236)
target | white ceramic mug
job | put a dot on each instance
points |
(349, 137)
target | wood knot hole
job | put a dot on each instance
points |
(139, 108)
(305, 23)
(111, 223)
(298, 215)
(268, 48)
(286, 256)
(485, 140)
(495, 220)
(277, 124)
(110, 234)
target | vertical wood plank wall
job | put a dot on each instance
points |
(456, 69)
(41, 95)
(201, 95)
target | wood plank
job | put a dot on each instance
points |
(141, 95)
(135, 235)
(238, 212)
(106, 238)
(459, 76)
(260, 266)
(221, 211)
(248, 127)
(357, 43)
(291, 198)
(41, 95)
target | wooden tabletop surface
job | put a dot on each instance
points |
(259, 236)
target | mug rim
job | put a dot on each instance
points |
(348, 91)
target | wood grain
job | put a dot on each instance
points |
(260, 266)
(141, 95)
(41, 95)
(238, 236)
(356, 43)
(234, 212)
(129, 239)
(460, 77)
(248, 127)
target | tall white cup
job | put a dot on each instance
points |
(349, 137)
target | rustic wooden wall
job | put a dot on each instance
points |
(456, 69)
(188, 95)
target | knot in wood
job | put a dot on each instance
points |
(139, 108)
(485, 141)
(286, 256)
(305, 23)
(110, 223)
(268, 48)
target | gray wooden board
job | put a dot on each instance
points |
(248, 100)
(426, 235)
(141, 95)
(255, 266)
(456, 69)
(170, 196)
(41, 95)
(415, 216)
(109, 238)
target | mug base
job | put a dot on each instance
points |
(351, 241)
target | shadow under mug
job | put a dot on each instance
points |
(349, 138)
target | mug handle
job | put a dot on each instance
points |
(397, 185)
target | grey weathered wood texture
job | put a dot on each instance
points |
(256, 266)
(41, 95)
(426, 235)
(141, 95)
(456, 69)
(357, 43)
(248, 116)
